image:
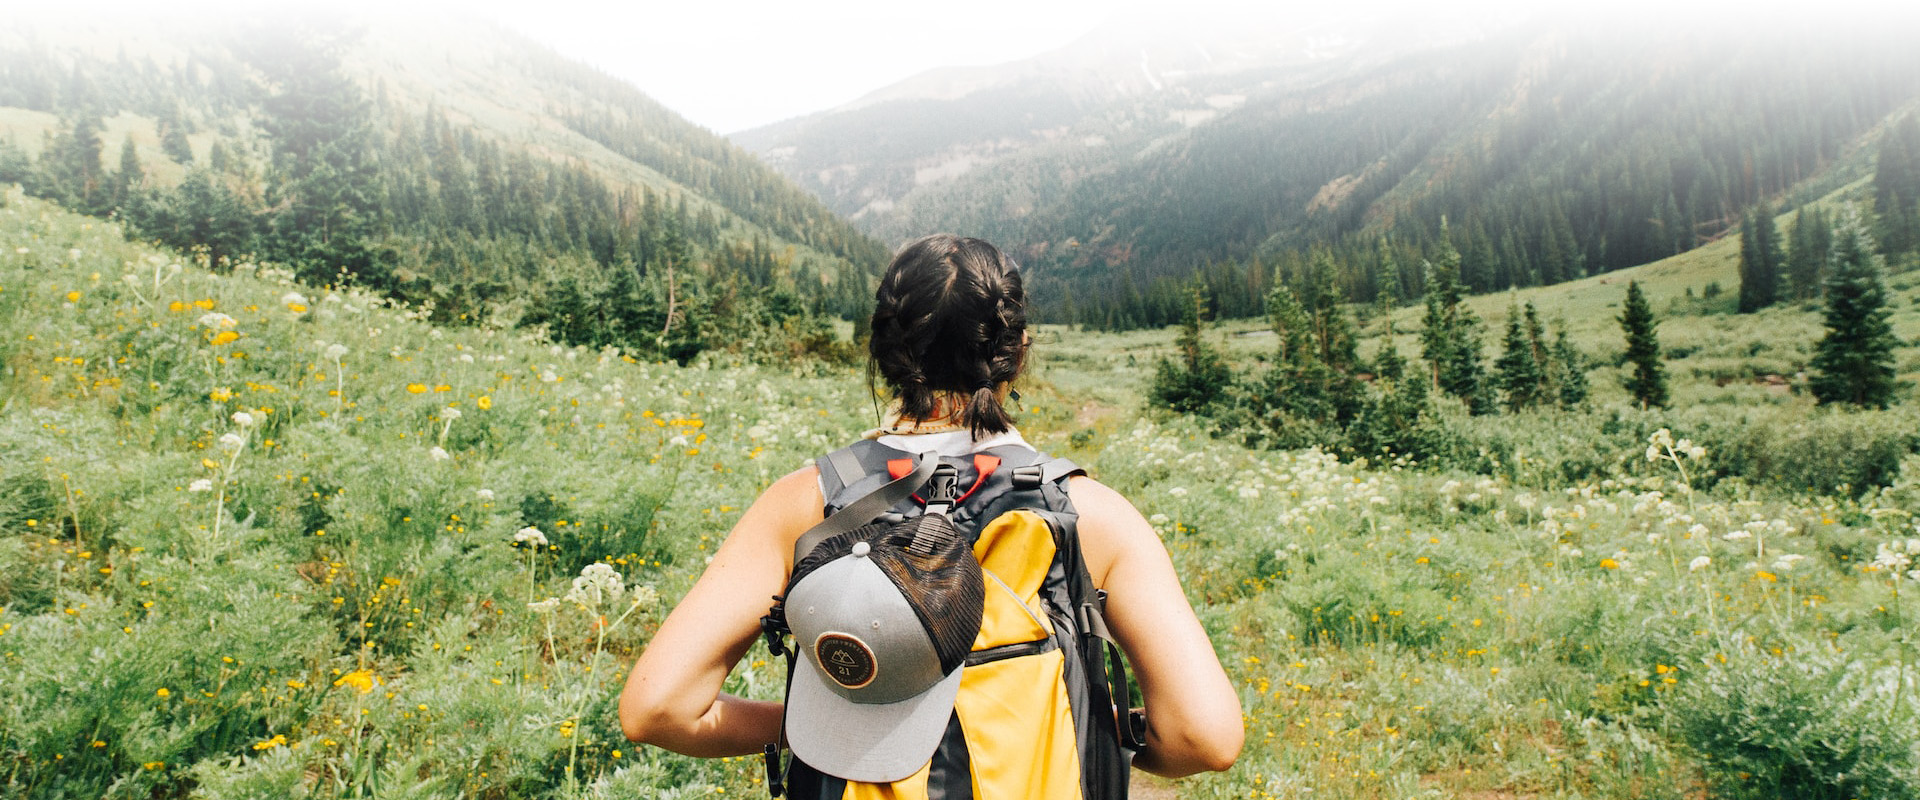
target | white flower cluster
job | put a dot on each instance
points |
(1897, 556)
(1663, 440)
(215, 319)
(527, 535)
(597, 584)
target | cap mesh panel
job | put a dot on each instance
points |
(945, 587)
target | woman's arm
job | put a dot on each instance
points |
(1193, 716)
(673, 698)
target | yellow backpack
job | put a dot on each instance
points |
(1043, 690)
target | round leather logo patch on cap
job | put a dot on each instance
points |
(846, 659)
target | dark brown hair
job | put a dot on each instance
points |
(950, 318)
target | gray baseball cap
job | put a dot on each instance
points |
(883, 621)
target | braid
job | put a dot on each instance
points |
(950, 320)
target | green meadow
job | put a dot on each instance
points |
(262, 539)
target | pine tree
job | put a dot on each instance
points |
(1200, 376)
(1853, 362)
(1450, 338)
(1290, 324)
(129, 177)
(1570, 371)
(1759, 261)
(1519, 373)
(1388, 364)
(1648, 381)
(1812, 238)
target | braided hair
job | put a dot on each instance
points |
(950, 319)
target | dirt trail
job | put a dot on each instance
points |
(1148, 787)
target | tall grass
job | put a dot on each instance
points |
(332, 596)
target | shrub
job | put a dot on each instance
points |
(1812, 724)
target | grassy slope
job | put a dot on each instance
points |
(1394, 634)
(460, 66)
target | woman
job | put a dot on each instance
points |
(949, 338)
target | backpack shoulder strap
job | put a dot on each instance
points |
(865, 509)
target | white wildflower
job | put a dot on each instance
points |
(1661, 438)
(201, 485)
(485, 494)
(449, 414)
(1158, 519)
(215, 319)
(1892, 558)
(1786, 562)
(527, 535)
(243, 419)
(1737, 535)
(1698, 530)
(644, 597)
(545, 606)
(293, 299)
(1696, 452)
(439, 453)
(598, 583)
(1699, 563)
(1178, 491)
(335, 351)
(232, 441)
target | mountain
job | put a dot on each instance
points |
(1118, 167)
(447, 162)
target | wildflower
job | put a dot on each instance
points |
(1661, 438)
(484, 494)
(232, 441)
(220, 395)
(1786, 562)
(362, 680)
(335, 351)
(225, 338)
(1892, 557)
(485, 402)
(439, 453)
(644, 596)
(528, 535)
(598, 583)
(215, 319)
(73, 297)
(276, 741)
(1734, 536)
(1608, 563)
(1699, 563)
(162, 693)
(200, 485)
(243, 419)
(545, 606)
(449, 413)
(416, 388)
(294, 299)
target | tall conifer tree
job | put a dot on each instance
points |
(1853, 362)
(1759, 261)
(1519, 374)
(1648, 381)
(1812, 238)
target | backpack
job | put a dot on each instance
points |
(1035, 715)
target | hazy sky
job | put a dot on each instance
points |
(736, 64)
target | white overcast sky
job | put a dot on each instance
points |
(735, 64)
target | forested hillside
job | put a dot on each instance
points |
(1554, 152)
(462, 169)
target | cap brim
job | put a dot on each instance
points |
(867, 742)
